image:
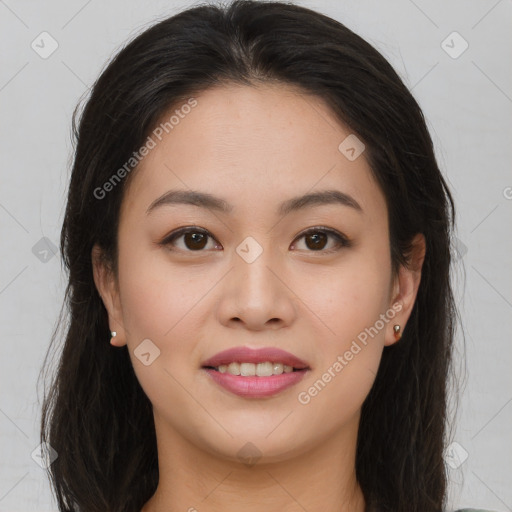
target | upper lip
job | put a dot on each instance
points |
(255, 355)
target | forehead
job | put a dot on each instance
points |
(251, 146)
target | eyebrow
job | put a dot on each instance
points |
(209, 201)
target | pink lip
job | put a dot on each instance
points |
(259, 355)
(256, 387)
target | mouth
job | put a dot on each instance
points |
(248, 361)
(255, 373)
(248, 385)
(262, 369)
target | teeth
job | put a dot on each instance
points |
(265, 369)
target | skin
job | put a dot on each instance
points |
(255, 147)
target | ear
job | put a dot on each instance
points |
(107, 287)
(405, 288)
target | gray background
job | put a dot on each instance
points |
(467, 101)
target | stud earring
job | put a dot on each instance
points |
(113, 334)
(398, 334)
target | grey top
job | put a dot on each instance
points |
(473, 510)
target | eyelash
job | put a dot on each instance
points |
(342, 241)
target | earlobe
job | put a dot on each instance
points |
(107, 288)
(405, 289)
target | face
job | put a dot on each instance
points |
(310, 277)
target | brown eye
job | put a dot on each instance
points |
(197, 239)
(316, 240)
(194, 239)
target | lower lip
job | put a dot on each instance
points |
(256, 387)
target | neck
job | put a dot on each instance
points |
(195, 479)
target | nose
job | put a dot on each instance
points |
(256, 295)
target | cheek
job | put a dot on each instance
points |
(167, 304)
(348, 298)
(162, 303)
(156, 295)
(351, 303)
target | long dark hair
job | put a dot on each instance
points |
(95, 414)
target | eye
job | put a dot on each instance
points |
(194, 239)
(317, 238)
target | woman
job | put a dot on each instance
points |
(257, 221)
